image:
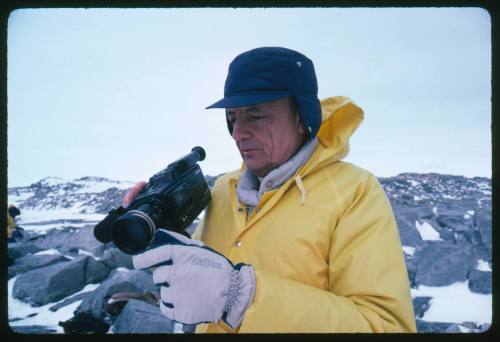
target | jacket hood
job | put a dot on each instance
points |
(340, 118)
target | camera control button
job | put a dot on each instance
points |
(237, 243)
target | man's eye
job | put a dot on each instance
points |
(256, 117)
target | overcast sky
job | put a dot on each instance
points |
(120, 93)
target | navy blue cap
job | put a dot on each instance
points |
(269, 73)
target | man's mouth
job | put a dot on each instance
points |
(247, 151)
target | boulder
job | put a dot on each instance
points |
(421, 305)
(118, 281)
(30, 262)
(69, 300)
(32, 329)
(483, 222)
(70, 240)
(407, 232)
(451, 218)
(411, 268)
(138, 317)
(431, 327)
(454, 328)
(55, 282)
(442, 263)
(414, 213)
(480, 281)
(114, 258)
(19, 249)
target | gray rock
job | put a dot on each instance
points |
(80, 238)
(55, 282)
(483, 222)
(441, 263)
(32, 329)
(480, 282)
(432, 327)
(118, 281)
(421, 305)
(445, 233)
(30, 262)
(114, 258)
(69, 300)
(20, 249)
(139, 317)
(407, 232)
(454, 328)
(414, 213)
(484, 327)
(411, 268)
(451, 218)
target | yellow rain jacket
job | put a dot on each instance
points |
(325, 245)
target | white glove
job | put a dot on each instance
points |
(198, 284)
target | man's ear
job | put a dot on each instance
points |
(299, 124)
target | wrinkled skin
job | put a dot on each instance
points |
(266, 134)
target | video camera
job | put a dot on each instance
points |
(172, 199)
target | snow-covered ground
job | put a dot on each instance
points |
(41, 315)
(452, 304)
(455, 303)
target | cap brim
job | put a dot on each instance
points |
(249, 99)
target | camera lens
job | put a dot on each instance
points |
(133, 231)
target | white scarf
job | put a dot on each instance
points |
(251, 188)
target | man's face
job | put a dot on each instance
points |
(267, 134)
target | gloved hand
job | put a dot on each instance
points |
(198, 284)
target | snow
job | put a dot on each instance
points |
(178, 328)
(51, 251)
(427, 232)
(464, 329)
(43, 228)
(44, 316)
(455, 303)
(30, 216)
(84, 252)
(413, 182)
(468, 214)
(17, 199)
(483, 266)
(52, 181)
(409, 250)
(91, 186)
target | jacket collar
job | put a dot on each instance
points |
(250, 188)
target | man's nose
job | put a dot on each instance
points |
(240, 130)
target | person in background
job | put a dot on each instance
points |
(13, 231)
(295, 240)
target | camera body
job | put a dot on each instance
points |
(171, 200)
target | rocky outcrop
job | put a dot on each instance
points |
(138, 317)
(30, 262)
(445, 226)
(54, 282)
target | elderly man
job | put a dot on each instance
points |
(296, 240)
